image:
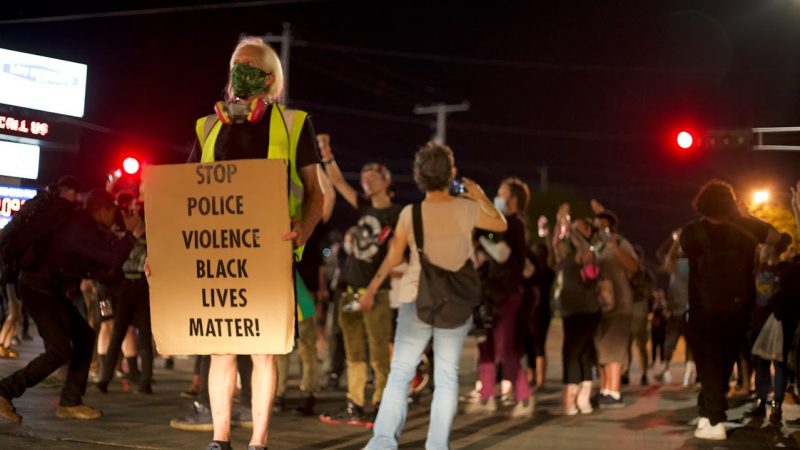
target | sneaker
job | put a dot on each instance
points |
(570, 410)
(242, 416)
(523, 409)
(508, 400)
(666, 377)
(488, 406)
(607, 401)
(80, 412)
(712, 432)
(585, 409)
(352, 414)
(8, 412)
(198, 419)
(625, 380)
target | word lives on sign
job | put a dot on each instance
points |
(221, 275)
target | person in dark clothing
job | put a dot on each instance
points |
(721, 250)
(132, 308)
(540, 285)
(504, 287)
(81, 248)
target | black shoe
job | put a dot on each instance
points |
(27, 337)
(169, 363)
(279, 404)
(645, 381)
(607, 401)
(758, 411)
(625, 380)
(219, 445)
(776, 416)
(144, 389)
(102, 386)
(352, 414)
(198, 419)
(308, 407)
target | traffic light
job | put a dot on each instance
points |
(728, 138)
(685, 140)
(131, 165)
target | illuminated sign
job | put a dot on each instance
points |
(24, 126)
(11, 200)
(39, 82)
(19, 160)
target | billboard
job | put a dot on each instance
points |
(19, 160)
(11, 200)
(42, 83)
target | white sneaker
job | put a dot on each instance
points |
(711, 432)
(481, 407)
(523, 409)
(585, 409)
(570, 410)
(667, 377)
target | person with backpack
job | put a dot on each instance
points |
(721, 249)
(66, 245)
(439, 293)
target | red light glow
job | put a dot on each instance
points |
(130, 165)
(685, 140)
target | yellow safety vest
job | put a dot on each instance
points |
(283, 124)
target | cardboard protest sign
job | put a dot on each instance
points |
(221, 277)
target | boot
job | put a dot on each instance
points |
(133, 369)
(776, 416)
(759, 409)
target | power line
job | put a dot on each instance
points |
(152, 11)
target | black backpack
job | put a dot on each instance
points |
(726, 281)
(445, 299)
(25, 240)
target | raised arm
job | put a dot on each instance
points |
(333, 171)
(489, 218)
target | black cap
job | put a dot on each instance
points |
(69, 182)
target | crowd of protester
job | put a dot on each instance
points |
(722, 283)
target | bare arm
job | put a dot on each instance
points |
(394, 256)
(489, 218)
(329, 194)
(333, 171)
(312, 206)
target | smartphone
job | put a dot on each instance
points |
(457, 187)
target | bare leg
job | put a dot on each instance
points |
(264, 383)
(9, 329)
(104, 336)
(129, 343)
(221, 382)
(541, 370)
(613, 376)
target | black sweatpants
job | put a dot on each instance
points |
(132, 308)
(68, 338)
(578, 352)
(714, 340)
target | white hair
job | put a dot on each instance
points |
(270, 63)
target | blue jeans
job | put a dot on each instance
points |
(410, 340)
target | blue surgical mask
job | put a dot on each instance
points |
(500, 204)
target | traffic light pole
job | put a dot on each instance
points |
(760, 132)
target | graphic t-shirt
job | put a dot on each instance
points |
(375, 226)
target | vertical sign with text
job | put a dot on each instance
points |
(221, 275)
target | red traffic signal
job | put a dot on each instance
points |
(685, 140)
(131, 165)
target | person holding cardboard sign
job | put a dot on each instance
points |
(250, 124)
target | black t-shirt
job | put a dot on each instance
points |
(506, 278)
(369, 247)
(743, 233)
(251, 141)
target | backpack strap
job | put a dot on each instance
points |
(419, 238)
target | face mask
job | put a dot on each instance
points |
(500, 204)
(247, 80)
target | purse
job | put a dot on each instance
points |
(445, 299)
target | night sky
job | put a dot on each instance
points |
(591, 92)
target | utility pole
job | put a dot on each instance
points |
(285, 39)
(441, 110)
(760, 132)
